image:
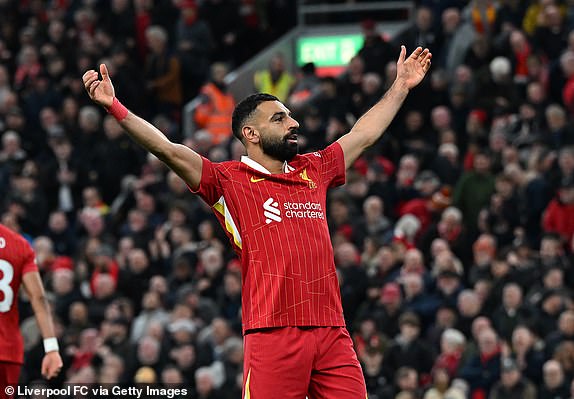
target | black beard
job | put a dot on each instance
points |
(279, 148)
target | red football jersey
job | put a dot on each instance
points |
(278, 225)
(16, 259)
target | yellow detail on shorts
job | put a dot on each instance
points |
(247, 393)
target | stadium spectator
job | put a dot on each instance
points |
(554, 384)
(275, 80)
(512, 311)
(482, 371)
(560, 211)
(162, 73)
(376, 52)
(408, 350)
(195, 44)
(528, 358)
(214, 113)
(421, 32)
(564, 333)
(452, 344)
(474, 189)
(512, 384)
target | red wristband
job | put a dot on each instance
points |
(117, 110)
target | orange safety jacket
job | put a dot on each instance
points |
(215, 114)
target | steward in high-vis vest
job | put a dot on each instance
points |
(214, 113)
(275, 80)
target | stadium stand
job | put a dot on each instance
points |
(453, 237)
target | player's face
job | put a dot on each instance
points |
(278, 131)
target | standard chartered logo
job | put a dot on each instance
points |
(271, 211)
(292, 210)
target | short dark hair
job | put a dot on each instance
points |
(485, 152)
(551, 236)
(245, 109)
(410, 318)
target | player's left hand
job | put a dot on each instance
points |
(51, 365)
(412, 70)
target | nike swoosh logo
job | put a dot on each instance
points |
(256, 180)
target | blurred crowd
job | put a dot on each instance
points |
(453, 236)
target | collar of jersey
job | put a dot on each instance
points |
(260, 168)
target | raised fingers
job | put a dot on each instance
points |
(426, 65)
(89, 78)
(104, 71)
(415, 55)
(89, 74)
(426, 59)
(402, 54)
(424, 54)
(92, 88)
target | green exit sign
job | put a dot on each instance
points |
(327, 51)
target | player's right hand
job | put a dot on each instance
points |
(100, 91)
(51, 365)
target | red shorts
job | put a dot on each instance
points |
(294, 363)
(9, 375)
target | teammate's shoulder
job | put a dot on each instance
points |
(10, 237)
(7, 233)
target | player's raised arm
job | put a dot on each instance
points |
(181, 159)
(52, 362)
(371, 126)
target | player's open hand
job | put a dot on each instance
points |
(413, 69)
(100, 91)
(51, 365)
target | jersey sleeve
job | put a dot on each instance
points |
(332, 165)
(209, 187)
(29, 261)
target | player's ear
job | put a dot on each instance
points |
(250, 134)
